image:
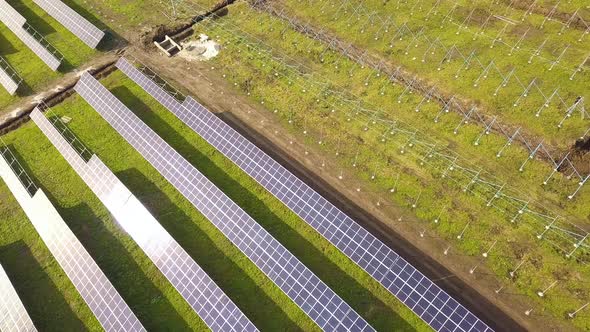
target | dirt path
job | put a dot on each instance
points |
(503, 311)
(18, 112)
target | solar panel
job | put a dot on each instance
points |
(8, 77)
(196, 287)
(314, 297)
(27, 34)
(102, 298)
(78, 25)
(13, 315)
(419, 293)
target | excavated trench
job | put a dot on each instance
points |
(539, 9)
(184, 29)
(53, 98)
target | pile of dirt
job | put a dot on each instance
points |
(580, 155)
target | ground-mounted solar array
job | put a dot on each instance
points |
(325, 307)
(13, 314)
(415, 290)
(349, 164)
(197, 288)
(98, 292)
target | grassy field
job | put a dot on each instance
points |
(371, 26)
(155, 302)
(365, 146)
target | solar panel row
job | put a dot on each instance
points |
(18, 25)
(415, 290)
(13, 315)
(196, 287)
(78, 25)
(316, 299)
(102, 298)
(8, 77)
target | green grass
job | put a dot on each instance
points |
(369, 34)
(35, 74)
(155, 302)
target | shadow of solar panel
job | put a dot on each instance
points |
(416, 291)
(313, 296)
(78, 25)
(27, 34)
(102, 298)
(187, 277)
(13, 315)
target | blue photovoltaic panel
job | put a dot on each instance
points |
(415, 290)
(78, 25)
(18, 25)
(196, 287)
(13, 315)
(316, 299)
(97, 291)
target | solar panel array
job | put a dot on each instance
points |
(196, 287)
(418, 292)
(102, 298)
(78, 25)
(19, 26)
(314, 297)
(13, 315)
(8, 77)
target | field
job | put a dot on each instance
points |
(154, 300)
(362, 87)
(418, 35)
